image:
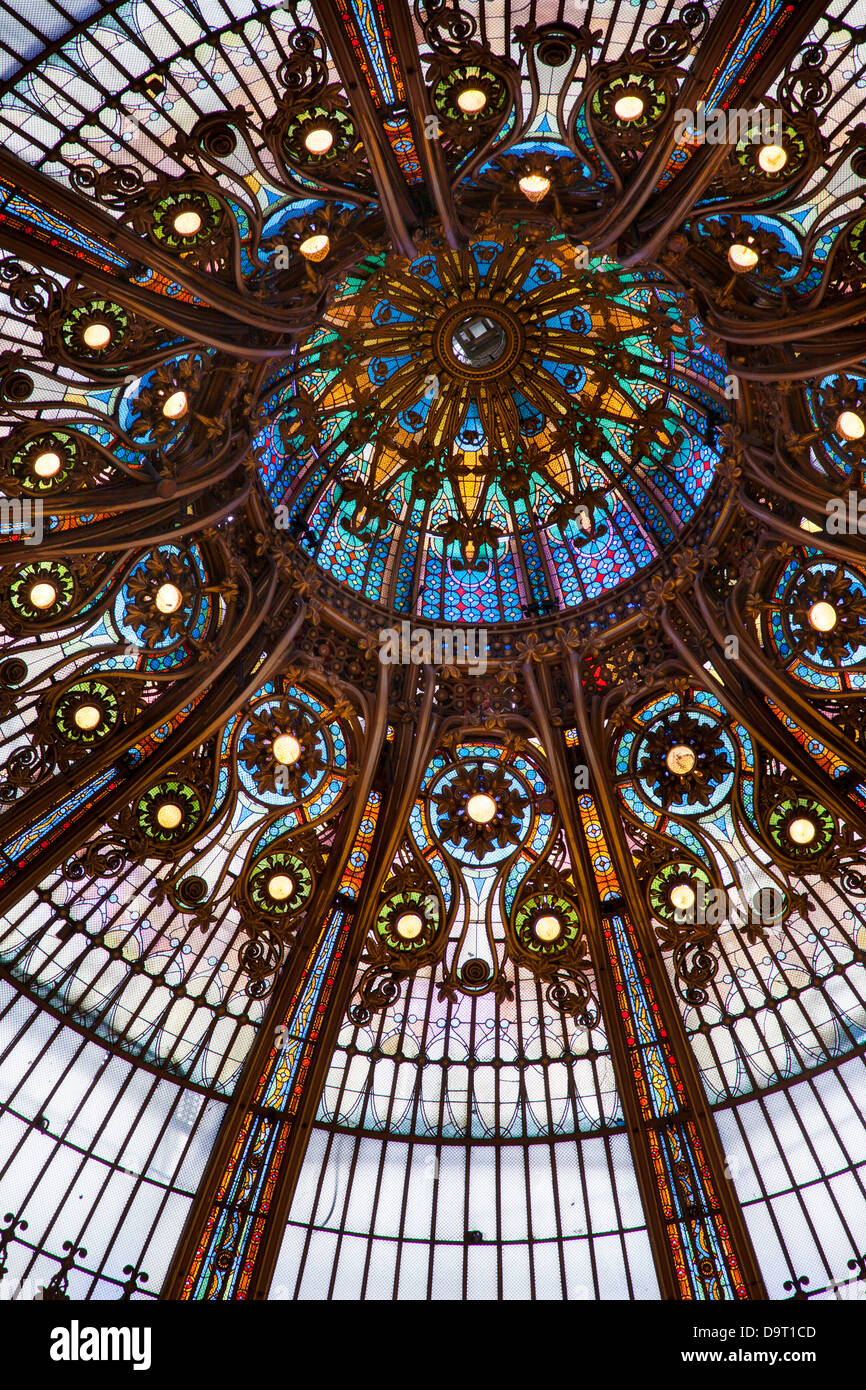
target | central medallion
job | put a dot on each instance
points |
(479, 341)
(496, 433)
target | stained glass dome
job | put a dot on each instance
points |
(534, 477)
(432, 646)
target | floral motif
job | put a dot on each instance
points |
(275, 734)
(457, 825)
(691, 778)
(160, 569)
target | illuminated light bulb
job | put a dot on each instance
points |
(682, 897)
(187, 223)
(175, 405)
(472, 99)
(772, 158)
(97, 335)
(802, 830)
(850, 425)
(681, 759)
(319, 140)
(286, 749)
(87, 717)
(481, 808)
(409, 925)
(280, 887)
(547, 928)
(169, 815)
(42, 594)
(823, 616)
(316, 247)
(168, 598)
(628, 108)
(742, 258)
(534, 186)
(46, 465)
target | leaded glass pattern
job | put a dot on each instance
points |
(335, 964)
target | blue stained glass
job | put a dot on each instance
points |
(573, 378)
(41, 829)
(15, 205)
(759, 22)
(403, 592)
(368, 30)
(470, 595)
(512, 609)
(652, 483)
(472, 433)
(531, 419)
(426, 269)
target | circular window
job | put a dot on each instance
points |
(479, 341)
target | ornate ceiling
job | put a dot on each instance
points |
(329, 321)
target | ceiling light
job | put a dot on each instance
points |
(471, 100)
(169, 815)
(87, 717)
(772, 158)
(168, 598)
(681, 759)
(628, 107)
(802, 830)
(547, 927)
(409, 925)
(175, 405)
(481, 808)
(187, 223)
(46, 465)
(682, 897)
(97, 335)
(850, 425)
(286, 749)
(280, 887)
(823, 616)
(534, 186)
(42, 594)
(742, 258)
(319, 139)
(315, 247)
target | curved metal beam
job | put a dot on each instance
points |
(396, 202)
